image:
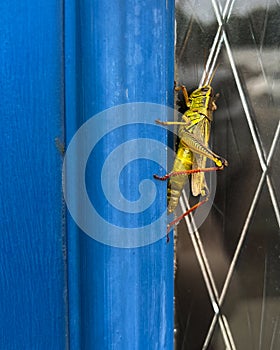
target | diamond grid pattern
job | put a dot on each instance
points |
(265, 182)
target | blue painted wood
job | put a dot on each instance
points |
(32, 262)
(72, 123)
(119, 52)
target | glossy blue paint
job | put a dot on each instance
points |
(118, 52)
(32, 262)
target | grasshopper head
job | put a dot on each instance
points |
(205, 90)
(203, 101)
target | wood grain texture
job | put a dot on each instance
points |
(120, 52)
(32, 266)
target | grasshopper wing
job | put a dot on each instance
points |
(201, 132)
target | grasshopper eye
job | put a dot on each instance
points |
(205, 89)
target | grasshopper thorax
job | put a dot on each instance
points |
(202, 100)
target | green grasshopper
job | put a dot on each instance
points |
(193, 150)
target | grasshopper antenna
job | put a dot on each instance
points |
(213, 74)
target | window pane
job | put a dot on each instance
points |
(231, 264)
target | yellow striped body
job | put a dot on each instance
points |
(183, 161)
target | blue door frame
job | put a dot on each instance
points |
(61, 64)
(32, 240)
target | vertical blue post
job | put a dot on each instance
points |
(32, 251)
(118, 52)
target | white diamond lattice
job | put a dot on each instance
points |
(222, 17)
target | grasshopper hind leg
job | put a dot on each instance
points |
(179, 218)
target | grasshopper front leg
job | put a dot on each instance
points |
(169, 123)
(185, 94)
